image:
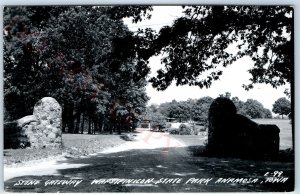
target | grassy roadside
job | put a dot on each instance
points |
(191, 140)
(74, 145)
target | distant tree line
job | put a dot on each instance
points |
(197, 110)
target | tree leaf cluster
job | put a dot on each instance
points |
(282, 106)
(197, 45)
(251, 108)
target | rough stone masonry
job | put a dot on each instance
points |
(236, 135)
(40, 130)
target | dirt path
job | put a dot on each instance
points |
(165, 163)
(144, 139)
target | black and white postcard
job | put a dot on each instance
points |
(142, 98)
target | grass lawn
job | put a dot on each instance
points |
(283, 124)
(191, 140)
(74, 145)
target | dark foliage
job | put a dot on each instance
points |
(196, 43)
(80, 55)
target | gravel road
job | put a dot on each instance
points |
(152, 162)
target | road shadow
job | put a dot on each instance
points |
(181, 162)
(284, 155)
(128, 137)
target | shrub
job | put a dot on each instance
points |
(185, 130)
(168, 125)
(182, 130)
(200, 128)
(174, 131)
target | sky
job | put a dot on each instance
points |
(232, 79)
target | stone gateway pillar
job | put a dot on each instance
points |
(48, 132)
(40, 130)
(232, 134)
(220, 113)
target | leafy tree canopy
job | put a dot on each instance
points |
(251, 108)
(200, 109)
(137, 13)
(78, 55)
(254, 109)
(282, 106)
(195, 47)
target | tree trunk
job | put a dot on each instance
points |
(102, 127)
(78, 116)
(70, 115)
(119, 128)
(100, 124)
(111, 128)
(95, 127)
(67, 117)
(89, 129)
(63, 126)
(82, 124)
(64, 119)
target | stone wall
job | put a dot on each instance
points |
(40, 130)
(233, 134)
